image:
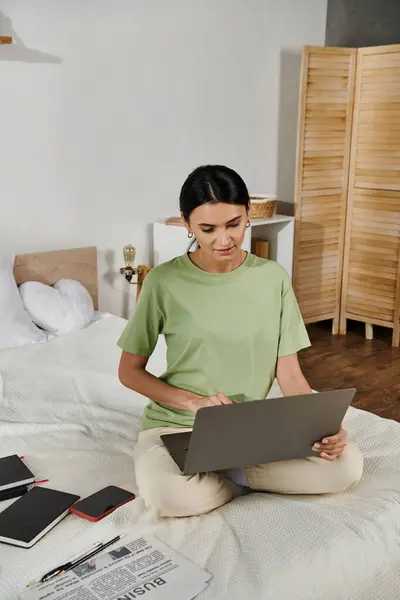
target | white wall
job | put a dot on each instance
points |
(107, 106)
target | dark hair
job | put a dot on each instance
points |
(212, 184)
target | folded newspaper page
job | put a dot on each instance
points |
(141, 567)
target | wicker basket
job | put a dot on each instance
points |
(262, 206)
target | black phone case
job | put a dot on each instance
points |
(108, 509)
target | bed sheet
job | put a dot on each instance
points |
(63, 408)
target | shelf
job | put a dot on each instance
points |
(170, 241)
(254, 222)
(272, 220)
(5, 39)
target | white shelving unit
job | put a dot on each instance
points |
(170, 241)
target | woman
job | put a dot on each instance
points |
(231, 323)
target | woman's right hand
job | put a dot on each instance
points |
(195, 402)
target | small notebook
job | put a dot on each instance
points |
(28, 519)
(14, 473)
(14, 492)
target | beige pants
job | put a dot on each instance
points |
(171, 494)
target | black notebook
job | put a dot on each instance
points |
(28, 519)
(14, 492)
(14, 473)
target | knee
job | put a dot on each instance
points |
(181, 496)
(312, 475)
(349, 468)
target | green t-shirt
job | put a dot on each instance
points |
(223, 332)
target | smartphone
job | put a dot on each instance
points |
(102, 503)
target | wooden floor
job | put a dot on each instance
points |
(372, 367)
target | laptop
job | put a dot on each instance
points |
(257, 432)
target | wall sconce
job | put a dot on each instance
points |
(129, 270)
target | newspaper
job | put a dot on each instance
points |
(141, 567)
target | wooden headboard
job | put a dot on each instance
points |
(48, 267)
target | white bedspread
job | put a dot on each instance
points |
(63, 408)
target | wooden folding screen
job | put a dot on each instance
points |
(323, 149)
(347, 231)
(371, 277)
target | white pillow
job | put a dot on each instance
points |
(16, 327)
(66, 306)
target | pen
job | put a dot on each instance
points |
(56, 570)
(84, 552)
(61, 568)
(71, 564)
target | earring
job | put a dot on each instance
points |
(248, 224)
(190, 235)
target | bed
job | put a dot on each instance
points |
(63, 408)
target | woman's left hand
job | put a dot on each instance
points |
(331, 447)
